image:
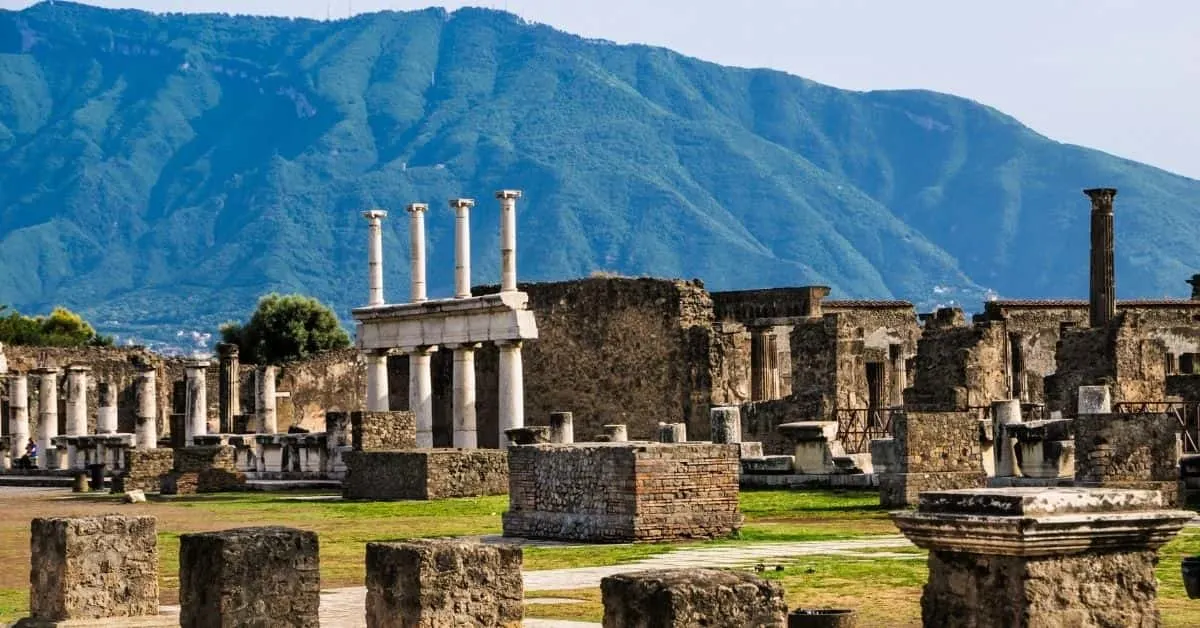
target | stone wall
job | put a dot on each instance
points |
(144, 468)
(761, 420)
(425, 474)
(729, 364)
(209, 469)
(335, 381)
(933, 451)
(383, 430)
(1126, 356)
(635, 491)
(692, 597)
(1128, 451)
(959, 366)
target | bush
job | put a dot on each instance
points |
(285, 328)
(62, 328)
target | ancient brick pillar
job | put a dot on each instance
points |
(692, 597)
(1102, 295)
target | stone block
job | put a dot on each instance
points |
(750, 449)
(1128, 451)
(144, 468)
(767, 465)
(1041, 557)
(425, 474)
(672, 432)
(435, 583)
(725, 424)
(266, 576)
(94, 567)
(1094, 400)
(528, 435)
(883, 455)
(679, 598)
(383, 430)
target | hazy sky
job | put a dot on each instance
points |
(1121, 76)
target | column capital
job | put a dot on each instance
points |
(460, 203)
(196, 364)
(516, 343)
(79, 368)
(419, 350)
(374, 214)
(416, 207)
(45, 370)
(1102, 198)
(464, 346)
(508, 194)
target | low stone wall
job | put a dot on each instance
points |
(1140, 451)
(425, 474)
(144, 468)
(634, 491)
(692, 597)
(209, 469)
(383, 430)
(933, 451)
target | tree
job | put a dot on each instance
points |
(284, 328)
(62, 328)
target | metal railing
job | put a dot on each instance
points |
(858, 426)
(1186, 412)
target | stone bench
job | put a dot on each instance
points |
(678, 598)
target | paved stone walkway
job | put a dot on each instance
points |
(343, 608)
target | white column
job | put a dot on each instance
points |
(375, 255)
(465, 432)
(18, 420)
(77, 385)
(420, 393)
(416, 233)
(377, 382)
(512, 388)
(196, 421)
(106, 414)
(47, 416)
(264, 400)
(146, 436)
(1005, 413)
(462, 247)
(508, 239)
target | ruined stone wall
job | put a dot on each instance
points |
(425, 474)
(1185, 387)
(761, 420)
(333, 381)
(1116, 448)
(144, 468)
(959, 367)
(1140, 361)
(623, 491)
(1035, 329)
(729, 364)
(372, 431)
(1126, 356)
(933, 451)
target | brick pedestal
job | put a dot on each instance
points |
(425, 474)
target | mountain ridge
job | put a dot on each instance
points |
(162, 171)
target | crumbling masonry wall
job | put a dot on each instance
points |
(959, 366)
(425, 474)
(934, 451)
(1124, 356)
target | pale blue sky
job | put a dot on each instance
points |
(1121, 76)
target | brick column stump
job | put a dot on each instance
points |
(679, 598)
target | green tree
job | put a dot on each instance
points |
(62, 328)
(284, 328)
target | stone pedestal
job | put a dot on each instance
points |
(562, 428)
(424, 474)
(530, 435)
(92, 568)
(436, 583)
(1005, 414)
(816, 445)
(682, 598)
(614, 433)
(1047, 448)
(383, 430)
(672, 432)
(725, 424)
(934, 451)
(249, 577)
(1138, 451)
(1040, 557)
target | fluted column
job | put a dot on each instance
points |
(899, 375)
(375, 255)
(77, 385)
(146, 431)
(508, 240)
(18, 407)
(229, 395)
(264, 400)
(106, 413)
(512, 388)
(420, 393)
(462, 246)
(416, 233)
(1103, 299)
(377, 381)
(465, 431)
(196, 419)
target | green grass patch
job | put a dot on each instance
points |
(541, 558)
(14, 604)
(758, 504)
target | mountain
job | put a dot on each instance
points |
(160, 172)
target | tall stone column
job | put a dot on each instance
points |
(512, 388)
(763, 369)
(196, 419)
(416, 234)
(229, 395)
(375, 255)
(18, 407)
(508, 244)
(1102, 298)
(264, 400)
(77, 385)
(377, 381)
(146, 389)
(47, 416)
(465, 432)
(899, 379)
(462, 246)
(420, 393)
(106, 414)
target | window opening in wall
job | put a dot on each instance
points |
(1187, 363)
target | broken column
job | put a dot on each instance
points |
(725, 424)
(93, 568)
(416, 233)
(196, 421)
(672, 432)
(764, 371)
(375, 255)
(229, 397)
(562, 428)
(47, 416)
(614, 433)
(106, 413)
(899, 379)
(1102, 303)
(377, 381)
(1041, 557)
(77, 385)
(264, 400)
(420, 393)
(1094, 400)
(268, 576)
(18, 407)
(1006, 414)
(462, 246)
(512, 388)
(146, 390)
(465, 432)
(508, 242)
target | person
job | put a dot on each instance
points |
(29, 460)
